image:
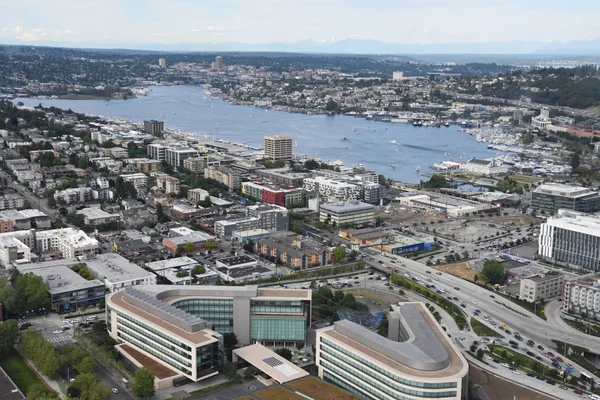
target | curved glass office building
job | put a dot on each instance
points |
(417, 360)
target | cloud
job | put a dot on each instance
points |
(212, 28)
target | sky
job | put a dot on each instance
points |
(107, 22)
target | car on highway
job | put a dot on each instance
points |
(456, 288)
(530, 374)
(474, 301)
(463, 305)
(505, 365)
(540, 347)
(516, 372)
(578, 391)
(507, 331)
(551, 382)
(559, 359)
(550, 354)
(428, 271)
(58, 331)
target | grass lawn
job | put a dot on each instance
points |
(244, 398)
(277, 393)
(483, 330)
(18, 370)
(320, 390)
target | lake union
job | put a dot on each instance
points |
(377, 145)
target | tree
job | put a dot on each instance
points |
(9, 333)
(23, 292)
(576, 159)
(339, 253)
(494, 272)
(465, 254)
(85, 365)
(573, 380)
(479, 354)
(38, 391)
(143, 384)
(248, 374)
(211, 245)
(229, 340)
(352, 256)
(475, 278)
(188, 246)
(90, 388)
(198, 270)
(553, 373)
(160, 214)
(285, 353)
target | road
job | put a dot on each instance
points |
(34, 201)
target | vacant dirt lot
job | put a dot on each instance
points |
(460, 269)
(517, 220)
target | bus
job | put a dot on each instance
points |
(585, 377)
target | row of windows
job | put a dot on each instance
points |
(385, 386)
(156, 354)
(219, 313)
(155, 331)
(277, 328)
(149, 342)
(276, 307)
(144, 333)
(441, 385)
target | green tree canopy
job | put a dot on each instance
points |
(143, 384)
(494, 272)
(23, 292)
(90, 388)
(338, 254)
(9, 333)
(285, 353)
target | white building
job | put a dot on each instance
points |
(139, 180)
(542, 286)
(13, 250)
(416, 359)
(333, 189)
(489, 167)
(571, 238)
(118, 273)
(70, 242)
(74, 195)
(582, 297)
(353, 213)
(102, 183)
(94, 216)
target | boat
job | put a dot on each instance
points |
(392, 141)
(446, 124)
(344, 138)
(393, 165)
(418, 168)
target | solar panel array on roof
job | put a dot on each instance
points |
(160, 309)
(279, 366)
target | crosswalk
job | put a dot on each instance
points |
(60, 338)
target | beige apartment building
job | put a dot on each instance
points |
(278, 147)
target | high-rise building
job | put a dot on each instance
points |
(155, 128)
(278, 147)
(218, 62)
(550, 197)
(571, 238)
(162, 63)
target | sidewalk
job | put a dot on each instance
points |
(51, 383)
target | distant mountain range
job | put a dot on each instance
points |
(358, 46)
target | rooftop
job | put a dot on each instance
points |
(559, 189)
(95, 213)
(171, 263)
(116, 268)
(425, 351)
(195, 237)
(578, 221)
(348, 206)
(271, 363)
(236, 260)
(59, 277)
(8, 389)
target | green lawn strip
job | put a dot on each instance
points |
(521, 361)
(483, 330)
(17, 369)
(455, 312)
(576, 353)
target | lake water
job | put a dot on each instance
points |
(187, 108)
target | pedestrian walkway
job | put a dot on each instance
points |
(31, 320)
(50, 382)
(60, 338)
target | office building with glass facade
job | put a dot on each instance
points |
(182, 327)
(572, 239)
(417, 360)
(550, 197)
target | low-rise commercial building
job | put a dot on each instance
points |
(70, 242)
(269, 217)
(196, 164)
(144, 165)
(168, 184)
(68, 290)
(489, 167)
(94, 216)
(351, 213)
(416, 360)
(179, 244)
(550, 197)
(571, 238)
(117, 272)
(227, 176)
(542, 286)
